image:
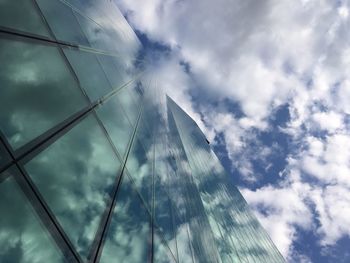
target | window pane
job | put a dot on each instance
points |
(23, 238)
(22, 15)
(128, 234)
(37, 90)
(116, 123)
(76, 175)
(67, 29)
(89, 72)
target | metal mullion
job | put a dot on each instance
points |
(153, 195)
(35, 37)
(9, 151)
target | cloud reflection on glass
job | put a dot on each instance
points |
(75, 175)
(23, 237)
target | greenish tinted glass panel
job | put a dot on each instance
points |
(62, 22)
(95, 34)
(23, 238)
(75, 175)
(4, 155)
(128, 234)
(112, 71)
(129, 105)
(161, 252)
(88, 70)
(116, 123)
(115, 27)
(37, 88)
(22, 15)
(139, 165)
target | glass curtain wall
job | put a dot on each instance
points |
(97, 164)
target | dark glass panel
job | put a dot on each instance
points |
(22, 15)
(62, 22)
(128, 234)
(116, 123)
(89, 73)
(23, 237)
(4, 156)
(37, 91)
(75, 175)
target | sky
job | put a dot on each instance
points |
(268, 83)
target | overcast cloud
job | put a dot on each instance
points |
(232, 65)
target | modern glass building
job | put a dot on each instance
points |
(97, 164)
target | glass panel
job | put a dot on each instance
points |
(22, 15)
(95, 34)
(37, 88)
(112, 71)
(129, 106)
(116, 123)
(117, 30)
(4, 155)
(128, 234)
(76, 175)
(89, 73)
(23, 238)
(162, 253)
(67, 29)
(139, 166)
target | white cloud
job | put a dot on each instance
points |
(329, 121)
(281, 210)
(333, 207)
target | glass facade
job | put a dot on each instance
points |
(97, 164)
